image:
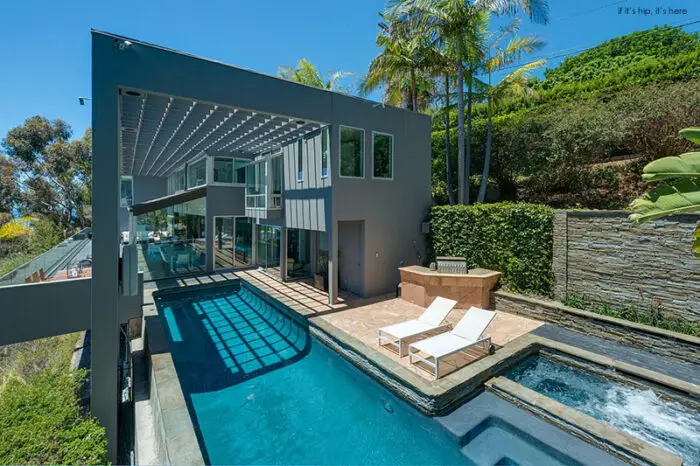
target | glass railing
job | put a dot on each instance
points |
(72, 258)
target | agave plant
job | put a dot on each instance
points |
(680, 189)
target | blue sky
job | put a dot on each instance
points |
(45, 44)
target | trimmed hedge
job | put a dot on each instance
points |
(512, 238)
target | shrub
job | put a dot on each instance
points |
(41, 422)
(514, 239)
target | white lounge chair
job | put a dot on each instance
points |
(430, 321)
(466, 335)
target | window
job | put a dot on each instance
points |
(180, 180)
(197, 173)
(300, 160)
(324, 152)
(126, 190)
(223, 170)
(382, 156)
(239, 169)
(352, 152)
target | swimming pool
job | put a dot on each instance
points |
(261, 390)
(664, 423)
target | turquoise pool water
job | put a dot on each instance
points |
(666, 424)
(262, 391)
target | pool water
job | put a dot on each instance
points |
(666, 424)
(261, 390)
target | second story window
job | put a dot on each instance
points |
(239, 171)
(223, 170)
(324, 152)
(382, 156)
(352, 152)
(197, 173)
(300, 160)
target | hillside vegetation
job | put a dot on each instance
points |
(595, 121)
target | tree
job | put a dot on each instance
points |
(9, 194)
(679, 191)
(460, 22)
(404, 56)
(515, 83)
(306, 73)
(52, 173)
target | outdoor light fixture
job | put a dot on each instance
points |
(83, 99)
(122, 44)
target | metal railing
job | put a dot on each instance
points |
(65, 255)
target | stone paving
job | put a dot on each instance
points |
(362, 318)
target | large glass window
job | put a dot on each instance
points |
(223, 170)
(382, 155)
(352, 152)
(172, 241)
(268, 252)
(197, 173)
(239, 171)
(324, 152)
(298, 253)
(233, 242)
(126, 188)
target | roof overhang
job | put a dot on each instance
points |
(168, 201)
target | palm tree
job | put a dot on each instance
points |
(460, 22)
(515, 83)
(306, 73)
(401, 61)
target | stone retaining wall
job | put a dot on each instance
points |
(605, 257)
(669, 344)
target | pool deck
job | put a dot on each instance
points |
(362, 318)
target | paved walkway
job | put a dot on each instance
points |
(688, 372)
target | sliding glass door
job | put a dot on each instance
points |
(233, 242)
(268, 251)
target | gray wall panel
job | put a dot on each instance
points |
(44, 309)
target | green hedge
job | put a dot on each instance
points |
(514, 239)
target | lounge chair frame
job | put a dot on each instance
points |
(435, 364)
(401, 344)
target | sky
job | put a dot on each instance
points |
(45, 44)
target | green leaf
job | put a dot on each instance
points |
(684, 166)
(696, 241)
(691, 134)
(682, 196)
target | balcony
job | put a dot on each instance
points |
(263, 193)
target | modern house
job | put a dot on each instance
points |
(199, 166)
(251, 170)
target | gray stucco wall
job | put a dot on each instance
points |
(602, 255)
(392, 210)
(307, 203)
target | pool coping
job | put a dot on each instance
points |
(621, 444)
(176, 440)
